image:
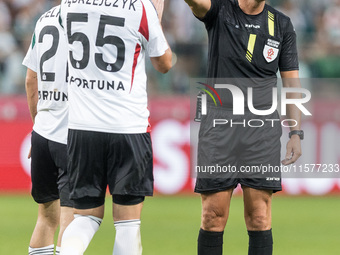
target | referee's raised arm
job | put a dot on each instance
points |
(199, 7)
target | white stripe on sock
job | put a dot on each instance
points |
(48, 250)
(57, 250)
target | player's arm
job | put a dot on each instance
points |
(32, 92)
(31, 86)
(159, 6)
(199, 7)
(291, 80)
(162, 63)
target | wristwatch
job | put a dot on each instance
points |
(297, 132)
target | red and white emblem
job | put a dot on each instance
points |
(270, 53)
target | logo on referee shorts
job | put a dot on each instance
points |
(271, 51)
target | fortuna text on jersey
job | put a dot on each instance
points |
(97, 84)
(53, 95)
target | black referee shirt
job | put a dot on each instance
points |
(249, 46)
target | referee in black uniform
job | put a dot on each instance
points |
(247, 39)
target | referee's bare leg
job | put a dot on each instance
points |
(215, 212)
(257, 214)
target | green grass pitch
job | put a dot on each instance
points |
(301, 225)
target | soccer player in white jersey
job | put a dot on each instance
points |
(109, 141)
(47, 97)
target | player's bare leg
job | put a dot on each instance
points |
(96, 212)
(81, 230)
(126, 212)
(66, 217)
(127, 224)
(45, 228)
(215, 212)
(257, 214)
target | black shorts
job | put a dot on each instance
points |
(229, 155)
(49, 171)
(124, 162)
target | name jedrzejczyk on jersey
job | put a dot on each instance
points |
(128, 4)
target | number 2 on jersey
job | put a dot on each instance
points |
(48, 30)
(101, 40)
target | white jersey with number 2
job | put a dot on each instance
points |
(108, 41)
(47, 56)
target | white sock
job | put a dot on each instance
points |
(48, 250)
(57, 250)
(128, 239)
(78, 234)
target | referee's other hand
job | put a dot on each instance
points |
(293, 150)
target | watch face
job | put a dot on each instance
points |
(301, 134)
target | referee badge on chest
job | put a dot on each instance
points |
(271, 50)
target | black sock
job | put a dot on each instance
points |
(209, 243)
(260, 242)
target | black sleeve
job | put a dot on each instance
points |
(211, 15)
(289, 56)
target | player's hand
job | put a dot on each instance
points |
(29, 153)
(293, 150)
(159, 5)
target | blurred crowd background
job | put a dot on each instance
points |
(317, 23)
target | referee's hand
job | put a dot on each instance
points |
(293, 150)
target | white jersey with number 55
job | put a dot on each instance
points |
(47, 56)
(108, 41)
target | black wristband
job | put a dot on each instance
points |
(297, 132)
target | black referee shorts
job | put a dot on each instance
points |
(124, 162)
(49, 171)
(235, 153)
